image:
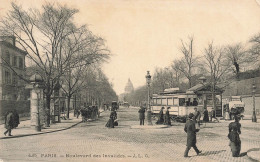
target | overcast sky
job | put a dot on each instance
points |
(143, 35)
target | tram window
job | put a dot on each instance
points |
(170, 101)
(154, 101)
(159, 101)
(181, 101)
(195, 102)
(176, 101)
(164, 101)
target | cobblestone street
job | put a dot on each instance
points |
(92, 141)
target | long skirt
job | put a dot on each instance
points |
(110, 123)
(235, 148)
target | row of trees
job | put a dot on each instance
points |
(219, 64)
(61, 50)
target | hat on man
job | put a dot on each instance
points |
(191, 115)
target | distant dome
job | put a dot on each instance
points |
(129, 87)
(36, 78)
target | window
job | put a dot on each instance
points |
(181, 101)
(20, 62)
(15, 61)
(7, 58)
(164, 101)
(159, 101)
(7, 78)
(170, 101)
(176, 101)
(14, 79)
(154, 101)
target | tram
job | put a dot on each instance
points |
(182, 103)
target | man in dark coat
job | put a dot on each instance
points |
(16, 118)
(9, 123)
(167, 119)
(160, 118)
(141, 115)
(233, 135)
(191, 135)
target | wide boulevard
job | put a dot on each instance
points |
(92, 141)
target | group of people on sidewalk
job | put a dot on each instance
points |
(88, 112)
(11, 121)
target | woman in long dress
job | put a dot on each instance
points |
(160, 118)
(233, 135)
(111, 120)
(167, 119)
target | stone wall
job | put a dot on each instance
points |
(22, 107)
(242, 87)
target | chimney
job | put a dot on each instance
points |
(9, 39)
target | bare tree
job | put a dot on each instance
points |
(255, 48)
(89, 50)
(160, 80)
(217, 66)
(237, 55)
(177, 72)
(188, 62)
(43, 35)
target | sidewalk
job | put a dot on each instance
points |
(25, 128)
(247, 127)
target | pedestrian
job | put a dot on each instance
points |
(196, 117)
(9, 123)
(160, 117)
(16, 118)
(78, 113)
(141, 115)
(63, 111)
(112, 118)
(167, 119)
(205, 116)
(191, 135)
(233, 135)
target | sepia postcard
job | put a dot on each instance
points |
(130, 80)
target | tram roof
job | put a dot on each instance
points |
(203, 87)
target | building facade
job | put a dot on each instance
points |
(12, 69)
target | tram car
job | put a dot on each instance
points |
(181, 104)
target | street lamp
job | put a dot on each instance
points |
(253, 92)
(148, 82)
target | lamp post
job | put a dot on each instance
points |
(253, 93)
(149, 113)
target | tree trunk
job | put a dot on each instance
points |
(48, 110)
(68, 106)
(189, 82)
(214, 100)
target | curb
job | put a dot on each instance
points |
(254, 154)
(149, 126)
(33, 134)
